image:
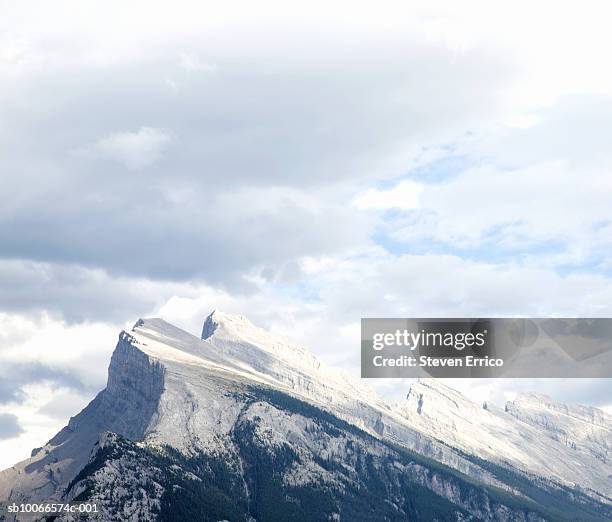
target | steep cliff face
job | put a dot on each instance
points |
(129, 402)
(126, 406)
(219, 417)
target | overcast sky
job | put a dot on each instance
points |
(304, 167)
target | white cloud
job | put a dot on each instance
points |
(521, 121)
(404, 196)
(135, 150)
(82, 349)
(191, 62)
(312, 104)
(546, 206)
(172, 84)
(38, 427)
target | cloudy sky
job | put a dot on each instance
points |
(303, 166)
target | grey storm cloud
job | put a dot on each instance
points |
(9, 392)
(74, 291)
(13, 376)
(205, 174)
(9, 426)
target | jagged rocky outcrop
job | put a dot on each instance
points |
(242, 425)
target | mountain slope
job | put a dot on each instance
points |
(530, 435)
(209, 415)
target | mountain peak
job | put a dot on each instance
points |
(151, 323)
(210, 325)
(235, 323)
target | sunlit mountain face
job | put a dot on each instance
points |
(241, 425)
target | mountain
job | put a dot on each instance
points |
(242, 425)
(570, 444)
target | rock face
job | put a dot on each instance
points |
(242, 425)
(586, 430)
(570, 444)
(127, 406)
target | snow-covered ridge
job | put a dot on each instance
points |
(236, 332)
(431, 410)
(234, 344)
(584, 429)
(533, 433)
(537, 401)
